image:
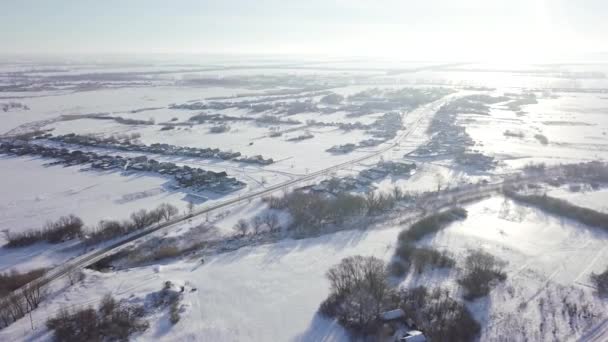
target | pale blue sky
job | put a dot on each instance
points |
(329, 27)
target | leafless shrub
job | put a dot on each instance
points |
(112, 321)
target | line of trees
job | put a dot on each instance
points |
(407, 254)
(359, 293)
(72, 227)
(269, 220)
(140, 219)
(562, 208)
(65, 228)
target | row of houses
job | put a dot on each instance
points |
(365, 177)
(185, 176)
(164, 149)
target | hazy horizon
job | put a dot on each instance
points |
(402, 30)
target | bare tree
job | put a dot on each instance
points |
(34, 293)
(140, 218)
(190, 207)
(241, 227)
(168, 211)
(361, 283)
(257, 223)
(271, 220)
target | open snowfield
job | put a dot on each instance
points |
(593, 199)
(574, 124)
(271, 292)
(257, 293)
(264, 293)
(549, 260)
(34, 194)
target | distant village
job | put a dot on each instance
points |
(185, 177)
(363, 180)
(164, 149)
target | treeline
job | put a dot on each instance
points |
(408, 255)
(65, 228)
(71, 227)
(140, 219)
(360, 293)
(562, 208)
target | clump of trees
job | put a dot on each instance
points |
(112, 321)
(312, 211)
(408, 255)
(65, 228)
(437, 314)
(168, 297)
(359, 293)
(482, 271)
(71, 227)
(601, 282)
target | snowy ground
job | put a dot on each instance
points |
(272, 292)
(593, 199)
(574, 124)
(549, 263)
(257, 293)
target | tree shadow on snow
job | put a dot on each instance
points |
(323, 329)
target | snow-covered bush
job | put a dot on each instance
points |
(481, 272)
(112, 321)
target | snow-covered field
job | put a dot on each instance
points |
(549, 260)
(271, 292)
(574, 124)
